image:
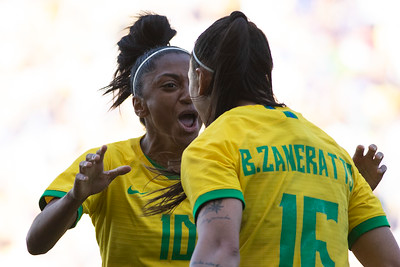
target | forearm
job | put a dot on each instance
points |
(218, 227)
(222, 255)
(51, 224)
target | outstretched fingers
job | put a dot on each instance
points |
(102, 150)
(381, 169)
(97, 157)
(368, 164)
(84, 166)
(376, 158)
(92, 178)
(121, 170)
(359, 153)
(371, 151)
(82, 177)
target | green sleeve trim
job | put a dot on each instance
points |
(216, 194)
(366, 226)
(58, 194)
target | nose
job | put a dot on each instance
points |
(185, 96)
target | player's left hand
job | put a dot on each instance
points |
(368, 164)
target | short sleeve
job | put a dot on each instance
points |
(210, 171)
(365, 210)
(63, 184)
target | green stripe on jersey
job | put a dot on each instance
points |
(217, 194)
(366, 226)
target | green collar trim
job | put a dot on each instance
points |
(158, 166)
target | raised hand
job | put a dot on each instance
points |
(368, 164)
(92, 178)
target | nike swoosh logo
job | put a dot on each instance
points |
(132, 192)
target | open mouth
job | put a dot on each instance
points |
(189, 120)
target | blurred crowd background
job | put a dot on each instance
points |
(336, 61)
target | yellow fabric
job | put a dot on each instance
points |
(125, 237)
(302, 193)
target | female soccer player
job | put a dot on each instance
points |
(156, 75)
(267, 187)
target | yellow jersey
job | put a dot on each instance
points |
(305, 203)
(124, 235)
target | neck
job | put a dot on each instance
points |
(163, 152)
(246, 103)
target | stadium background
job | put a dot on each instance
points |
(336, 61)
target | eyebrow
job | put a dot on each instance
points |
(172, 75)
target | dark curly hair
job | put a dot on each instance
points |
(150, 33)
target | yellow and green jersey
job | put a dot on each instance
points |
(124, 235)
(305, 203)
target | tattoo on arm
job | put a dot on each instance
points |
(215, 205)
(202, 263)
(208, 220)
